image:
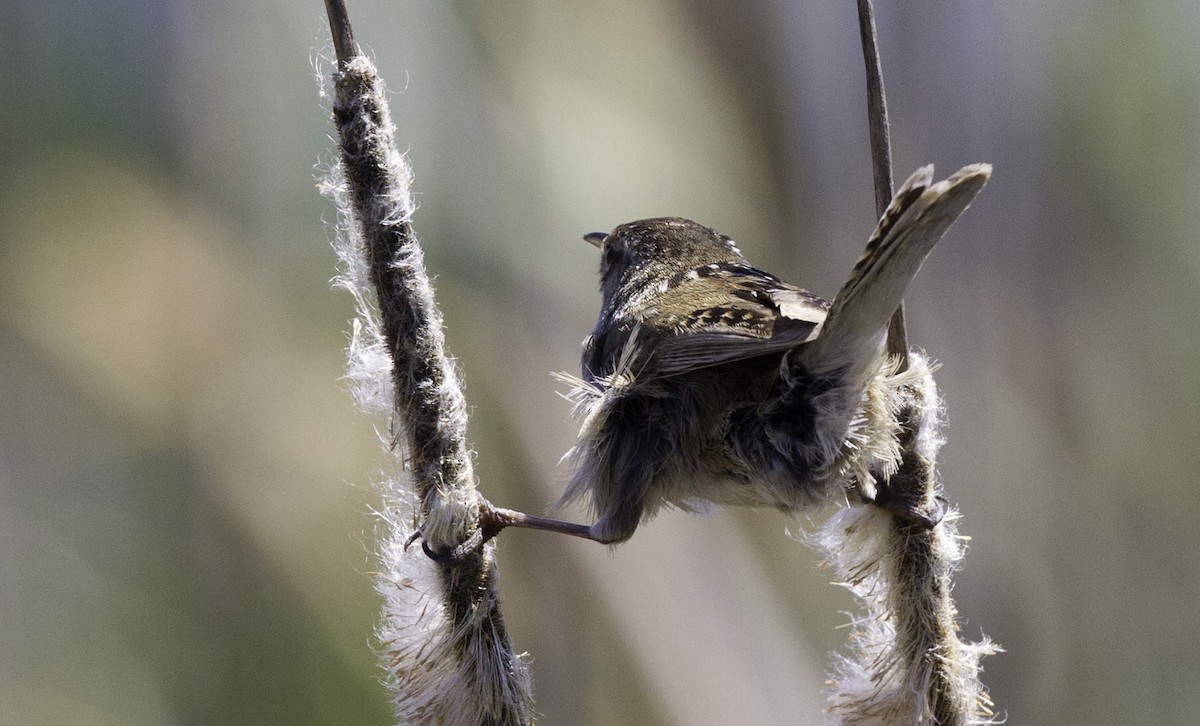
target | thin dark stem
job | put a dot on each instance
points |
(339, 27)
(877, 116)
(881, 153)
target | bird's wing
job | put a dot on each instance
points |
(725, 312)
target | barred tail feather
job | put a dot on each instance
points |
(917, 218)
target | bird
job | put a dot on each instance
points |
(709, 381)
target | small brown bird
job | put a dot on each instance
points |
(707, 380)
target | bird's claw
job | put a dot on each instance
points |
(485, 531)
(910, 511)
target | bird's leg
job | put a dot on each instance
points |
(493, 519)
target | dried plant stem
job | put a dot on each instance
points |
(443, 634)
(908, 665)
(881, 152)
(430, 411)
(344, 47)
(877, 116)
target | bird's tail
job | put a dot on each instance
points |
(919, 214)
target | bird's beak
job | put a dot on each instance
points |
(595, 238)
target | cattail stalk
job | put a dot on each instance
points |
(443, 637)
(907, 665)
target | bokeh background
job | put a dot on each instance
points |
(186, 490)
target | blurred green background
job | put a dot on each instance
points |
(186, 490)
